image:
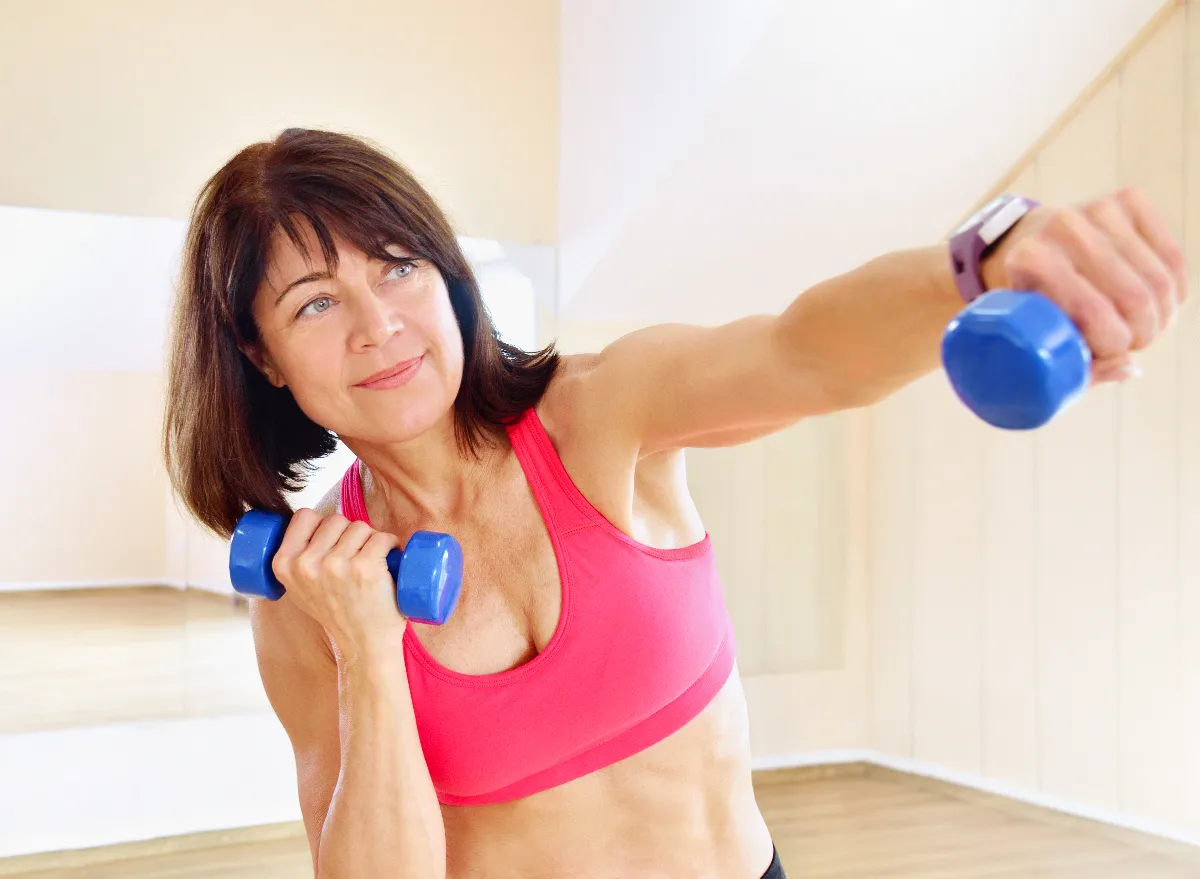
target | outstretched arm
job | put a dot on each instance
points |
(1112, 265)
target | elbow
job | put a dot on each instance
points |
(418, 868)
(391, 874)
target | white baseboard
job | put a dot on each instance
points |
(49, 585)
(985, 785)
(812, 758)
(62, 585)
(1037, 798)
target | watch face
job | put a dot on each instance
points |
(977, 217)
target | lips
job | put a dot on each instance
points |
(393, 375)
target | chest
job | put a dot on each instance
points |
(511, 597)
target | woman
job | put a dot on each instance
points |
(581, 713)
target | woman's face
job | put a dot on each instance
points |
(371, 352)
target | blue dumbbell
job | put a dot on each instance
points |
(428, 571)
(1016, 359)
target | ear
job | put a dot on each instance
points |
(263, 363)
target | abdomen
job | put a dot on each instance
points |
(683, 807)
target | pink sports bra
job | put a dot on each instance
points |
(644, 642)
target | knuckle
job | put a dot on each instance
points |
(1131, 197)
(1027, 257)
(304, 514)
(1161, 285)
(1059, 224)
(1096, 317)
(360, 565)
(1175, 258)
(281, 566)
(1141, 314)
(307, 566)
(1077, 231)
(333, 566)
(1105, 212)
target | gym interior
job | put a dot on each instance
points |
(966, 651)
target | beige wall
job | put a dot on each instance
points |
(1035, 598)
(127, 106)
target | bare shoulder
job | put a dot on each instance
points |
(645, 496)
(580, 416)
(592, 449)
(570, 397)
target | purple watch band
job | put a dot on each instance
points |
(978, 235)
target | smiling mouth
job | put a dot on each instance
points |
(393, 377)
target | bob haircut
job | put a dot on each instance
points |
(232, 441)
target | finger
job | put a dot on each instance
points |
(379, 545)
(299, 532)
(1155, 229)
(1095, 256)
(352, 540)
(1138, 253)
(1115, 369)
(1036, 265)
(326, 535)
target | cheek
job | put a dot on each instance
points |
(445, 328)
(312, 370)
(454, 342)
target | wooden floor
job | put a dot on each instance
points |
(71, 658)
(82, 657)
(857, 827)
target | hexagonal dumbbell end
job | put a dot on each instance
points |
(1015, 359)
(427, 572)
(428, 577)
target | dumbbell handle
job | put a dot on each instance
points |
(1015, 359)
(427, 572)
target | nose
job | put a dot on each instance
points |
(375, 320)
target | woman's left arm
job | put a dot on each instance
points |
(1112, 264)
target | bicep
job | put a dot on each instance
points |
(676, 385)
(299, 676)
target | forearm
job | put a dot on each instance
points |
(384, 819)
(875, 329)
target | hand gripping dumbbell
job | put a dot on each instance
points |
(1016, 359)
(427, 572)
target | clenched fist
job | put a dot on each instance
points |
(1112, 264)
(336, 572)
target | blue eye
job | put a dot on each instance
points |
(400, 271)
(319, 305)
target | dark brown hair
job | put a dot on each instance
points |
(231, 440)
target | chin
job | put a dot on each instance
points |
(403, 419)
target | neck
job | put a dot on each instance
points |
(427, 478)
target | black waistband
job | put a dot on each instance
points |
(775, 871)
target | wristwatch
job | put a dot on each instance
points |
(971, 241)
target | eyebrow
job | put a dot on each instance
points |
(307, 279)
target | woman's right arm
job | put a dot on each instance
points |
(367, 799)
